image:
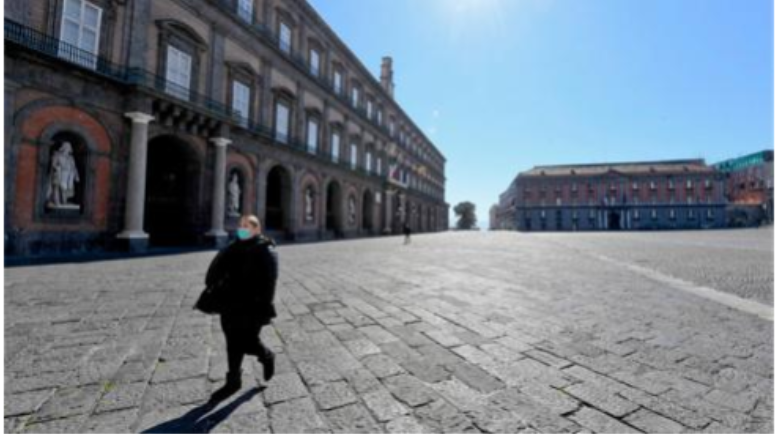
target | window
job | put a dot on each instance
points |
(368, 162)
(635, 186)
(353, 156)
(708, 184)
(178, 73)
(670, 184)
(653, 214)
(355, 97)
(379, 166)
(689, 200)
(335, 146)
(591, 214)
(80, 31)
(245, 10)
(711, 214)
(338, 82)
(672, 214)
(392, 128)
(282, 122)
(689, 185)
(369, 109)
(636, 214)
(691, 214)
(653, 185)
(379, 117)
(312, 135)
(240, 102)
(559, 201)
(314, 62)
(285, 38)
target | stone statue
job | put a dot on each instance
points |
(309, 211)
(351, 210)
(63, 175)
(234, 192)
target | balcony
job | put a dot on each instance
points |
(176, 103)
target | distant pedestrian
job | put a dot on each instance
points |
(407, 234)
(248, 268)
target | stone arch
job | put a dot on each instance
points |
(278, 199)
(334, 218)
(173, 199)
(367, 212)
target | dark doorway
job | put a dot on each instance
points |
(278, 200)
(368, 212)
(614, 221)
(334, 208)
(558, 219)
(171, 192)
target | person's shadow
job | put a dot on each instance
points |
(197, 420)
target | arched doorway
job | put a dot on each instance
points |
(614, 221)
(368, 212)
(278, 201)
(172, 191)
(334, 208)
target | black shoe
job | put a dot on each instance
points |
(268, 363)
(232, 386)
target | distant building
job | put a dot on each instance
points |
(748, 188)
(679, 194)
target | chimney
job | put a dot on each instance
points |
(386, 78)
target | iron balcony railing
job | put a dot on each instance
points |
(18, 34)
(46, 45)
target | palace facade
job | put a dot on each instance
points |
(681, 194)
(143, 123)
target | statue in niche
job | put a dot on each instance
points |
(351, 210)
(309, 208)
(63, 174)
(234, 192)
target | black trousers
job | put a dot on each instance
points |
(242, 337)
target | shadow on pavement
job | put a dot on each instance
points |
(197, 420)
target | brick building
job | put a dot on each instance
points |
(682, 194)
(137, 123)
(748, 188)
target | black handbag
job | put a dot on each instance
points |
(210, 301)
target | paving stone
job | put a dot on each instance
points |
(175, 370)
(602, 399)
(121, 396)
(741, 402)
(384, 407)
(362, 347)
(382, 366)
(296, 416)
(548, 359)
(285, 387)
(176, 394)
(648, 421)
(409, 390)
(333, 395)
(425, 371)
(600, 422)
(405, 424)
(668, 408)
(68, 402)
(440, 416)
(352, 419)
(318, 373)
(476, 378)
(25, 402)
(110, 422)
(445, 339)
(71, 424)
(362, 380)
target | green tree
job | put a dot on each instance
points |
(466, 215)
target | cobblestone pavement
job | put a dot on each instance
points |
(457, 332)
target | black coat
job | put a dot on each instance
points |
(250, 269)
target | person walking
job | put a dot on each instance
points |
(407, 233)
(248, 269)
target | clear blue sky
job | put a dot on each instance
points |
(502, 85)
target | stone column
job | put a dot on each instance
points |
(135, 239)
(216, 233)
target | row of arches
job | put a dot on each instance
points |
(290, 204)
